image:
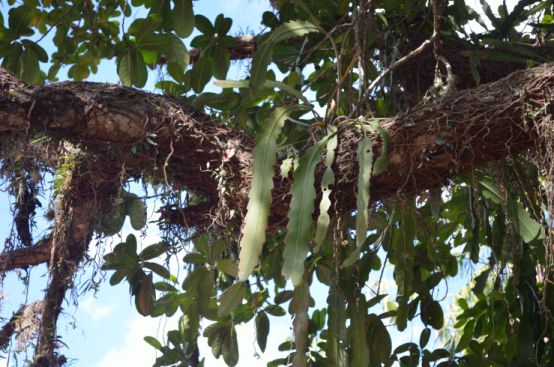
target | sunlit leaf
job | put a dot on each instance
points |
(259, 197)
(299, 227)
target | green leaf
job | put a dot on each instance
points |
(136, 209)
(379, 341)
(262, 329)
(158, 269)
(146, 296)
(491, 190)
(260, 63)
(183, 18)
(327, 181)
(266, 84)
(153, 342)
(202, 72)
(227, 266)
(231, 299)
(432, 314)
(132, 69)
(365, 163)
(112, 222)
(259, 197)
(299, 227)
(222, 61)
(30, 69)
(528, 228)
(153, 251)
(424, 337)
(229, 348)
(204, 25)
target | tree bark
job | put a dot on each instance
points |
(158, 137)
(26, 256)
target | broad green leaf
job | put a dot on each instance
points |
(379, 341)
(204, 25)
(327, 181)
(259, 197)
(136, 209)
(432, 314)
(266, 84)
(153, 251)
(262, 330)
(132, 69)
(183, 18)
(231, 299)
(113, 220)
(227, 266)
(424, 337)
(143, 27)
(169, 45)
(146, 296)
(222, 61)
(202, 72)
(153, 342)
(157, 268)
(260, 63)
(30, 69)
(229, 348)
(299, 226)
(491, 190)
(525, 226)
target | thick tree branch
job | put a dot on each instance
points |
(27, 256)
(74, 226)
(429, 145)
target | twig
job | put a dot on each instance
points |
(393, 67)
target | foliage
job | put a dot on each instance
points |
(307, 86)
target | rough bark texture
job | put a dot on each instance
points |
(429, 145)
(26, 256)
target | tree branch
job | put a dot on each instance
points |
(27, 256)
(428, 146)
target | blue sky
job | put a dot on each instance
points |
(105, 329)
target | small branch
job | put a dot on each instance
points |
(8, 329)
(393, 67)
(28, 256)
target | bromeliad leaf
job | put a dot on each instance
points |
(295, 28)
(365, 163)
(299, 227)
(259, 197)
(327, 180)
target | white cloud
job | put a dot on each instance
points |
(133, 350)
(96, 311)
(249, 353)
